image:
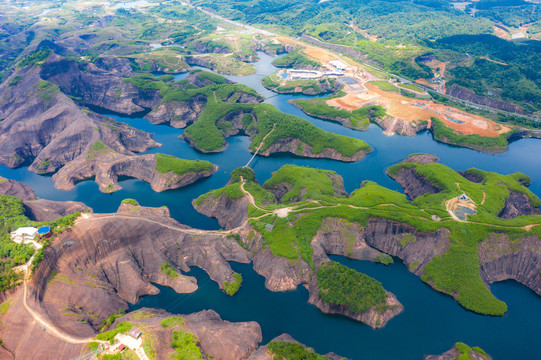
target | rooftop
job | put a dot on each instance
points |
(135, 333)
(25, 231)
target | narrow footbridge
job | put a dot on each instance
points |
(260, 145)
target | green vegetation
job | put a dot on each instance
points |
(169, 271)
(232, 191)
(385, 259)
(231, 288)
(98, 145)
(314, 183)
(149, 348)
(309, 86)
(385, 86)
(501, 68)
(228, 65)
(455, 272)
(185, 345)
(171, 322)
(411, 87)
(47, 91)
(245, 172)
(111, 319)
(121, 328)
(142, 314)
(340, 285)
(292, 351)
(357, 119)
(15, 80)
(11, 254)
(168, 59)
(57, 227)
(36, 57)
(473, 141)
(98, 150)
(402, 22)
(468, 353)
(130, 202)
(168, 163)
(406, 239)
(413, 33)
(295, 59)
(206, 136)
(4, 307)
(209, 131)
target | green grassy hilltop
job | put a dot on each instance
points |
(312, 197)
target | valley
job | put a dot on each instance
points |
(219, 187)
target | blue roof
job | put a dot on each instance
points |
(44, 230)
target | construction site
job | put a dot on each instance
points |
(361, 89)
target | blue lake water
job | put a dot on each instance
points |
(431, 322)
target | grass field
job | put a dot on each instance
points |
(385, 86)
(411, 87)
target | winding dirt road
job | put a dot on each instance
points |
(51, 329)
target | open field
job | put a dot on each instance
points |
(370, 90)
(501, 33)
(414, 110)
(319, 54)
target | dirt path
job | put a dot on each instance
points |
(250, 196)
(51, 329)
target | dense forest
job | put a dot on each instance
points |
(500, 68)
(397, 35)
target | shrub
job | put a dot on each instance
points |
(292, 351)
(384, 259)
(168, 163)
(247, 174)
(169, 271)
(231, 288)
(35, 57)
(185, 345)
(121, 328)
(340, 285)
(171, 322)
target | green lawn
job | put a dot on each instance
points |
(385, 86)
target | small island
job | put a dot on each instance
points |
(341, 290)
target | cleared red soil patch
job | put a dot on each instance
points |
(415, 110)
(501, 33)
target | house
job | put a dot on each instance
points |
(23, 234)
(121, 347)
(339, 65)
(269, 227)
(463, 197)
(135, 333)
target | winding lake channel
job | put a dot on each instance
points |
(431, 322)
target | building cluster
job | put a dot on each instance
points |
(28, 233)
(311, 74)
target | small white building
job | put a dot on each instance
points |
(23, 234)
(339, 65)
